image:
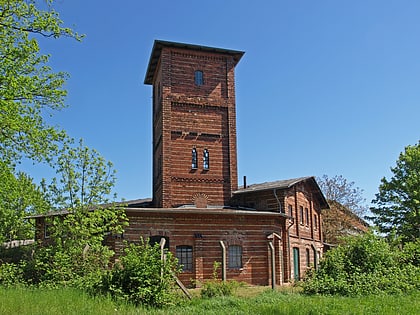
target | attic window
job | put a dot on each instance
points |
(206, 159)
(198, 77)
(194, 163)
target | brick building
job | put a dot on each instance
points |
(259, 233)
(197, 206)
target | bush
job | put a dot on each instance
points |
(216, 287)
(366, 264)
(11, 274)
(141, 277)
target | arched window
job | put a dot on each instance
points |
(184, 253)
(194, 164)
(235, 256)
(198, 77)
(206, 159)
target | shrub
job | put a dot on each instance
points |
(216, 287)
(366, 264)
(141, 277)
(11, 274)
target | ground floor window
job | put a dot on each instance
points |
(184, 253)
(235, 256)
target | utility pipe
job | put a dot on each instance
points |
(273, 265)
(222, 245)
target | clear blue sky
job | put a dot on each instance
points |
(325, 87)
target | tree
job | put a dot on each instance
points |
(397, 209)
(19, 197)
(346, 206)
(29, 90)
(86, 216)
(28, 86)
(340, 190)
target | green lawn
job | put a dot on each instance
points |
(68, 301)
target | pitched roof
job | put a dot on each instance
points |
(285, 184)
(136, 203)
(159, 44)
(279, 184)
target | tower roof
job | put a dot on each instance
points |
(159, 44)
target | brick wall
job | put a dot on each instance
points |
(204, 232)
(187, 116)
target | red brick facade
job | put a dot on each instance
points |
(258, 233)
(191, 115)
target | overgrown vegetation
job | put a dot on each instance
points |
(367, 264)
(216, 287)
(397, 204)
(142, 277)
(71, 301)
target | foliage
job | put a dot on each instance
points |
(397, 209)
(70, 301)
(346, 206)
(77, 254)
(11, 274)
(216, 287)
(142, 277)
(28, 86)
(340, 190)
(19, 197)
(366, 264)
(29, 90)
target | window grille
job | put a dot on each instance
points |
(184, 253)
(206, 159)
(235, 256)
(194, 159)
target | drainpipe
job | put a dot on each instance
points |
(162, 254)
(222, 245)
(277, 198)
(273, 265)
(281, 280)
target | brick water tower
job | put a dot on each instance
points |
(194, 124)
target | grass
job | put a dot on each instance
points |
(249, 301)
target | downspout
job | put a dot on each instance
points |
(162, 254)
(277, 198)
(273, 265)
(288, 249)
(222, 245)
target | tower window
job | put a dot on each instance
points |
(206, 159)
(194, 164)
(198, 77)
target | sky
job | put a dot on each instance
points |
(325, 87)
